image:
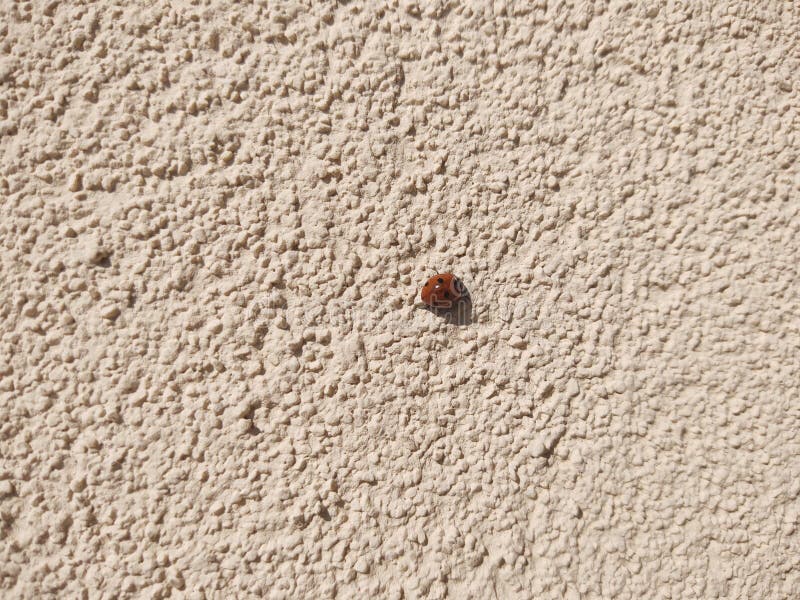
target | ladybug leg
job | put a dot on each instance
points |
(440, 303)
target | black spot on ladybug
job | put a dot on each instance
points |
(440, 280)
(447, 295)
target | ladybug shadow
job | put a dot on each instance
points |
(460, 314)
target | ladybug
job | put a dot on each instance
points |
(443, 290)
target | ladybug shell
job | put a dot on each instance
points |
(442, 290)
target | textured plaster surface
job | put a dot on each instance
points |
(215, 377)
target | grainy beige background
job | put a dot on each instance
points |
(215, 219)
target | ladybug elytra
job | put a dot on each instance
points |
(442, 290)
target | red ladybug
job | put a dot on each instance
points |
(442, 291)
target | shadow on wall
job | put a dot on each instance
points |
(460, 314)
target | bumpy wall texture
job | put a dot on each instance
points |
(215, 380)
